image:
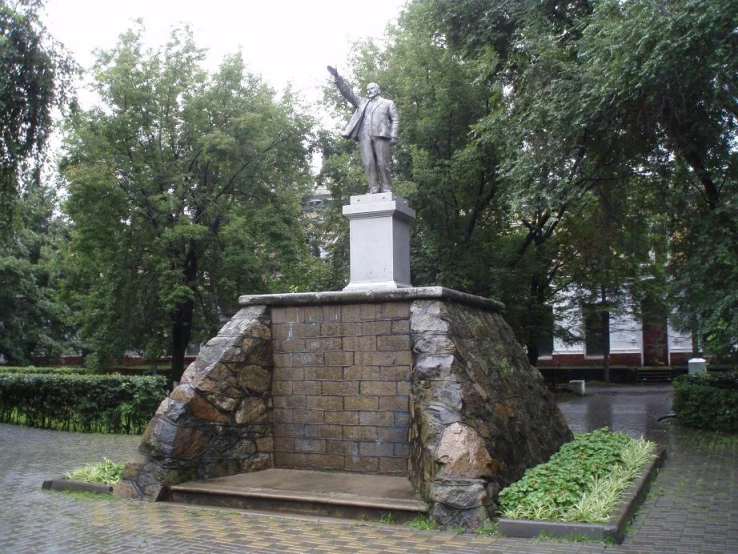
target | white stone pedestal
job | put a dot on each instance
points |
(380, 241)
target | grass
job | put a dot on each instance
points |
(105, 473)
(423, 523)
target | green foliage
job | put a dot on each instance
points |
(106, 472)
(32, 323)
(34, 81)
(93, 403)
(30, 370)
(184, 192)
(583, 481)
(707, 401)
(423, 523)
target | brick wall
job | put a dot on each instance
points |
(341, 387)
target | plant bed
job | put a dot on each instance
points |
(590, 488)
(97, 478)
(611, 531)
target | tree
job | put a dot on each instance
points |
(184, 192)
(32, 324)
(34, 81)
(474, 232)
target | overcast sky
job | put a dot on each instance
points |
(282, 40)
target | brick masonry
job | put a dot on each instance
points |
(341, 387)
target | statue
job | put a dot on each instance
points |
(375, 125)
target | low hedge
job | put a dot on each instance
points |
(707, 401)
(60, 370)
(93, 403)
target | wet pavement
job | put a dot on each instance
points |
(692, 507)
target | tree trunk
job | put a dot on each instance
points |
(181, 334)
(605, 318)
(532, 353)
(182, 317)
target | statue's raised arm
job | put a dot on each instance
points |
(375, 125)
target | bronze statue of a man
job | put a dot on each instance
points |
(375, 125)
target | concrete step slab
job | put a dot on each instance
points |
(332, 494)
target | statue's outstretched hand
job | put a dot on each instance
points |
(332, 71)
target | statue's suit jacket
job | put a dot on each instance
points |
(380, 115)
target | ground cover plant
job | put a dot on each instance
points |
(106, 472)
(583, 482)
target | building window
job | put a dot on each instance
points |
(596, 329)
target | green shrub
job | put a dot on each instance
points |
(45, 370)
(707, 401)
(95, 403)
(582, 481)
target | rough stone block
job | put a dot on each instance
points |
(362, 464)
(314, 446)
(361, 373)
(332, 373)
(342, 418)
(393, 343)
(374, 358)
(251, 410)
(309, 388)
(323, 431)
(400, 326)
(313, 314)
(360, 433)
(308, 416)
(255, 379)
(341, 388)
(289, 373)
(378, 419)
(400, 373)
(284, 444)
(379, 388)
(391, 403)
(332, 313)
(391, 434)
(368, 312)
(376, 449)
(307, 359)
(376, 328)
(324, 344)
(393, 466)
(305, 330)
(393, 310)
(321, 402)
(342, 447)
(292, 401)
(340, 329)
(362, 403)
(283, 388)
(289, 345)
(339, 358)
(351, 313)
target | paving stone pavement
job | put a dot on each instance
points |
(692, 507)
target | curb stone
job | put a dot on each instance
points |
(613, 530)
(64, 484)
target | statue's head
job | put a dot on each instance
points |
(373, 90)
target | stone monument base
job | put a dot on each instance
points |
(379, 241)
(427, 383)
